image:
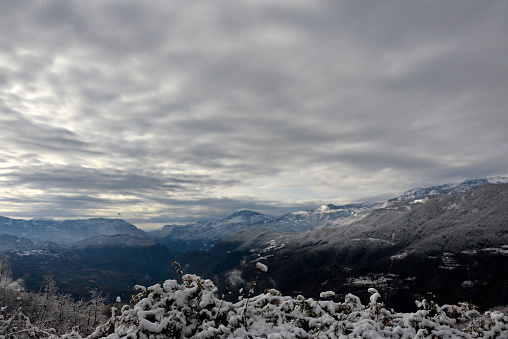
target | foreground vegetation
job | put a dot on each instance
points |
(48, 312)
(190, 308)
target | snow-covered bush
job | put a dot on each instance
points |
(18, 326)
(191, 309)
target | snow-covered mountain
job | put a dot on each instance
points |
(454, 245)
(456, 234)
(453, 188)
(452, 222)
(323, 216)
(66, 231)
(202, 235)
(212, 229)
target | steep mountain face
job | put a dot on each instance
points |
(453, 245)
(66, 231)
(146, 250)
(469, 221)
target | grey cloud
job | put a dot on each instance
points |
(64, 206)
(184, 102)
(22, 132)
(76, 178)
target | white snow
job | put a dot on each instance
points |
(261, 267)
(419, 201)
(401, 255)
(498, 180)
(327, 294)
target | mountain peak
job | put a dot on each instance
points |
(325, 208)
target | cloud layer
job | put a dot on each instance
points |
(170, 111)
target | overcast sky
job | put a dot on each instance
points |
(163, 112)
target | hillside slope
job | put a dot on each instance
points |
(146, 250)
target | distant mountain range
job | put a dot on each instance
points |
(203, 234)
(65, 232)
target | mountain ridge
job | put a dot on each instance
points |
(202, 235)
(64, 232)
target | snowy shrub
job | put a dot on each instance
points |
(190, 309)
(18, 326)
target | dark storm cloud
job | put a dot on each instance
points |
(172, 110)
